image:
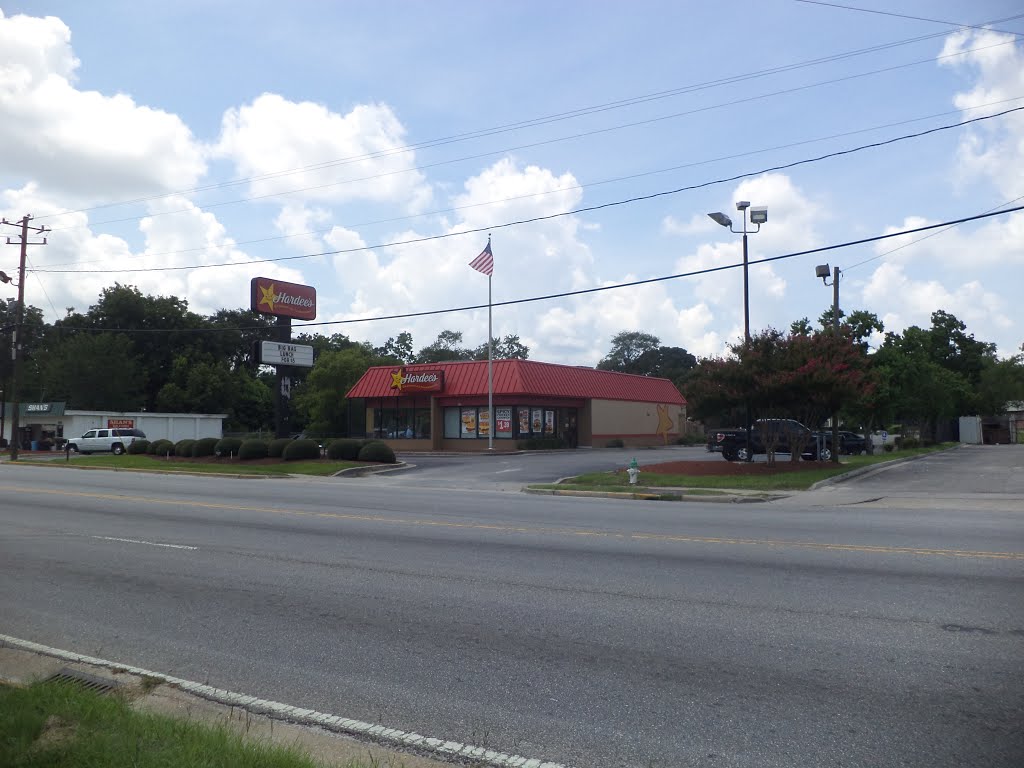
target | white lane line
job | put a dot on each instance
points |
(303, 716)
(147, 543)
(503, 471)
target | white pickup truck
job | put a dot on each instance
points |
(115, 441)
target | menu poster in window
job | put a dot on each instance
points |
(549, 422)
(503, 421)
(483, 422)
(524, 421)
(469, 422)
(535, 420)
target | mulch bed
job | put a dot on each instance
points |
(723, 467)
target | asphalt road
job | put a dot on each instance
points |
(828, 629)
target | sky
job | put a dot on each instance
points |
(369, 149)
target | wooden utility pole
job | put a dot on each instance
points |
(19, 320)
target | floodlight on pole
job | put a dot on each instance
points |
(758, 216)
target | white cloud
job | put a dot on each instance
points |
(82, 145)
(357, 156)
(993, 149)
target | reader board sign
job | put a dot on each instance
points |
(283, 353)
(120, 423)
(276, 297)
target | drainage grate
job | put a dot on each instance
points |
(84, 680)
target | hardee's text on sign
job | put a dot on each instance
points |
(276, 297)
(416, 381)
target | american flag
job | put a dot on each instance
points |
(485, 261)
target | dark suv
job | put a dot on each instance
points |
(114, 440)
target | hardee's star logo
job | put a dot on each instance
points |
(396, 379)
(267, 297)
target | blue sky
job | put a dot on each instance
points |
(136, 116)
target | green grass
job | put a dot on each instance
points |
(789, 481)
(49, 725)
(235, 467)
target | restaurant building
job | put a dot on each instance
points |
(443, 406)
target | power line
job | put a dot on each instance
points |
(531, 123)
(982, 27)
(580, 292)
(547, 217)
(581, 185)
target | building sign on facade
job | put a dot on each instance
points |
(120, 423)
(38, 407)
(282, 353)
(403, 381)
(276, 297)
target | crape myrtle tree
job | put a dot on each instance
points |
(796, 375)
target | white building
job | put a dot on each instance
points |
(46, 421)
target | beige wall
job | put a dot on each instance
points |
(634, 423)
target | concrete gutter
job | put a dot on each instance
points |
(874, 469)
(665, 494)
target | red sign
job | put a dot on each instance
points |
(120, 423)
(416, 381)
(276, 297)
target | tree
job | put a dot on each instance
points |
(33, 343)
(94, 371)
(506, 348)
(445, 348)
(627, 350)
(322, 403)
(398, 349)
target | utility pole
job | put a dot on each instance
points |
(19, 320)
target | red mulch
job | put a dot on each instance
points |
(723, 467)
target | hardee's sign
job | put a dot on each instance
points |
(420, 381)
(276, 297)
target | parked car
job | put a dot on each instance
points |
(115, 441)
(783, 434)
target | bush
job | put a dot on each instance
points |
(160, 447)
(184, 448)
(545, 443)
(227, 447)
(204, 447)
(139, 447)
(377, 451)
(252, 449)
(888, 447)
(615, 442)
(345, 449)
(909, 442)
(275, 449)
(299, 450)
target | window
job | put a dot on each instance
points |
(452, 426)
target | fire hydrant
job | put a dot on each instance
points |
(633, 471)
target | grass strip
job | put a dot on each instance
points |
(784, 481)
(224, 466)
(59, 725)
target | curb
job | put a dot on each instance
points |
(874, 469)
(437, 748)
(374, 470)
(652, 496)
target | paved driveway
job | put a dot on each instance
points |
(510, 472)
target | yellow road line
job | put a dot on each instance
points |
(661, 537)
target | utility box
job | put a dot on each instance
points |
(970, 430)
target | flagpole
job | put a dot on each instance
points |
(490, 367)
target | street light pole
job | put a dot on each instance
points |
(822, 271)
(758, 216)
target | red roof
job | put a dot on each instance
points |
(527, 377)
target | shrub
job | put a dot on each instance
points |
(299, 450)
(377, 451)
(542, 443)
(184, 447)
(139, 447)
(888, 447)
(615, 442)
(204, 447)
(275, 449)
(909, 442)
(345, 449)
(160, 447)
(252, 449)
(227, 446)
